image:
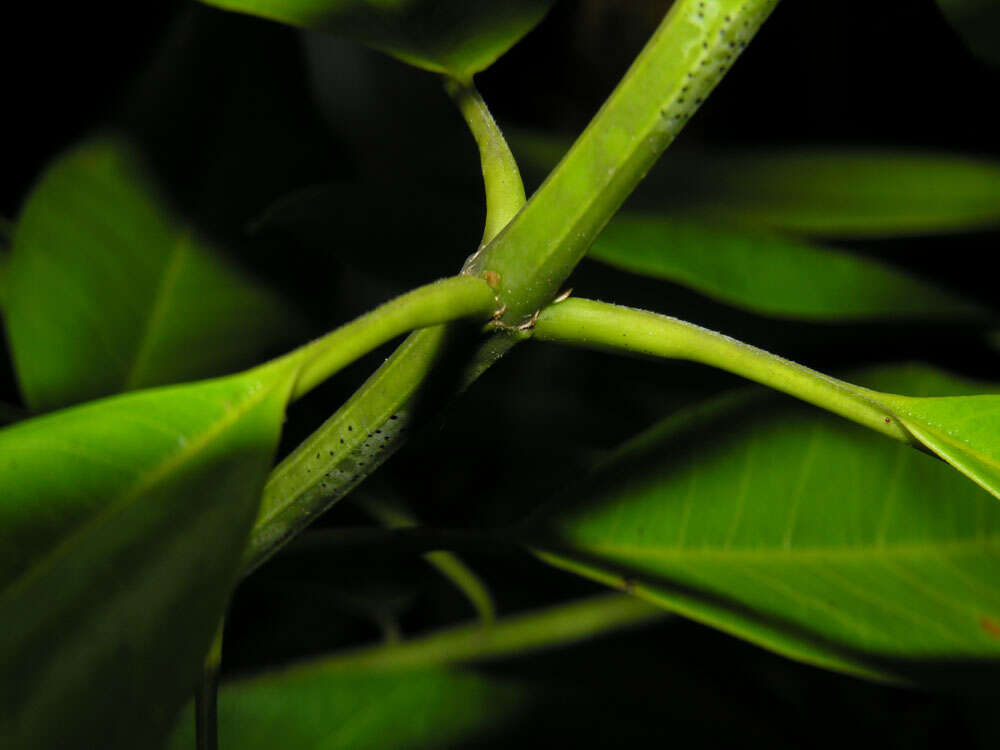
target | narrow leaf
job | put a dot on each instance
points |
(109, 292)
(122, 526)
(459, 37)
(842, 193)
(772, 274)
(799, 532)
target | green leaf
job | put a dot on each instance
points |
(109, 292)
(843, 193)
(402, 694)
(423, 708)
(799, 532)
(459, 37)
(978, 23)
(772, 274)
(123, 525)
(962, 430)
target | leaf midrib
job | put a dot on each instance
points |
(797, 554)
(168, 281)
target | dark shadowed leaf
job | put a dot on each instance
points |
(844, 193)
(122, 528)
(109, 292)
(978, 23)
(833, 193)
(460, 37)
(771, 274)
(799, 532)
(313, 709)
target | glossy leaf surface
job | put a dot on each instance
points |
(799, 532)
(771, 274)
(460, 37)
(109, 292)
(122, 525)
(978, 23)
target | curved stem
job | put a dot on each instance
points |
(440, 302)
(451, 566)
(688, 55)
(611, 327)
(501, 177)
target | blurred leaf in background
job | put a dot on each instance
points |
(109, 291)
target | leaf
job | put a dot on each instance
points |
(402, 694)
(771, 274)
(459, 37)
(122, 528)
(962, 430)
(799, 532)
(425, 708)
(833, 193)
(843, 193)
(108, 292)
(978, 23)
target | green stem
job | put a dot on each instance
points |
(206, 697)
(517, 634)
(527, 262)
(501, 177)
(448, 564)
(687, 56)
(440, 302)
(611, 327)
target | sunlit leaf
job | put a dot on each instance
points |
(122, 528)
(771, 274)
(109, 292)
(460, 37)
(799, 532)
(978, 23)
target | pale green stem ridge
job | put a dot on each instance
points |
(501, 177)
(448, 564)
(687, 56)
(445, 300)
(369, 427)
(612, 327)
(517, 634)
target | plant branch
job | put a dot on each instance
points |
(688, 55)
(612, 327)
(501, 177)
(439, 302)
(527, 262)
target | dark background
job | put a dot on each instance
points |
(235, 114)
